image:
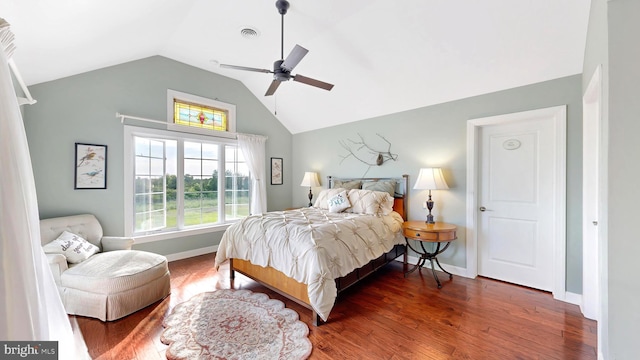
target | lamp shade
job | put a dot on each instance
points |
(430, 179)
(310, 179)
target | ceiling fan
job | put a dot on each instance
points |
(282, 68)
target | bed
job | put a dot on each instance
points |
(312, 254)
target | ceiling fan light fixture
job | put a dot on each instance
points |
(249, 32)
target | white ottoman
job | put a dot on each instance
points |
(114, 284)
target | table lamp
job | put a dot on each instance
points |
(430, 179)
(311, 180)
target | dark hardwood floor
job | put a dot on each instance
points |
(384, 317)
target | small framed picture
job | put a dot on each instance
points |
(90, 166)
(276, 171)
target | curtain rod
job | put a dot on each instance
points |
(123, 116)
(29, 100)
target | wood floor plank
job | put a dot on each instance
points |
(386, 316)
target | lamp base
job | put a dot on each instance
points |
(430, 206)
(310, 197)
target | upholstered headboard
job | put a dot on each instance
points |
(400, 192)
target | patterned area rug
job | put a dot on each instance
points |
(234, 324)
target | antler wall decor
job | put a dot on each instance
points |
(364, 153)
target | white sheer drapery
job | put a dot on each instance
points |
(253, 150)
(30, 305)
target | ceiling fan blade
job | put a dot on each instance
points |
(312, 82)
(272, 89)
(294, 57)
(235, 67)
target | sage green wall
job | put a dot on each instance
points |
(436, 136)
(82, 108)
(624, 170)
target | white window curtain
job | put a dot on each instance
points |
(253, 150)
(30, 305)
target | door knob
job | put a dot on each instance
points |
(483, 209)
(595, 223)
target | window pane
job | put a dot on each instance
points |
(143, 203)
(142, 184)
(210, 151)
(210, 199)
(157, 167)
(157, 219)
(142, 222)
(142, 165)
(171, 152)
(157, 149)
(236, 184)
(149, 184)
(157, 184)
(208, 167)
(142, 146)
(192, 200)
(192, 150)
(192, 217)
(192, 167)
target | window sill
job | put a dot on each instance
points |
(141, 239)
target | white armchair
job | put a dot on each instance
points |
(110, 284)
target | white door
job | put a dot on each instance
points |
(516, 202)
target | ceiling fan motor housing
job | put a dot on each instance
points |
(279, 73)
(283, 6)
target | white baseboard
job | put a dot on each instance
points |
(192, 253)
(455, 270)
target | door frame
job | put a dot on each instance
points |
(592, 132)
(559, 114)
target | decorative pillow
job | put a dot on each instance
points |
(339, 202)
(370, 202)
(353, 184)
(388, 186)
(73, 247)
(322, 202)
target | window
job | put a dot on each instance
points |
(202, 117)
(199, 115)
(176, 181)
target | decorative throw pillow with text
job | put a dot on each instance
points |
(339, 202)
(72, 246)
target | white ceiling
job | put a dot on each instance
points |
(383, 56)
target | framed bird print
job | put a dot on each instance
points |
(90, 166)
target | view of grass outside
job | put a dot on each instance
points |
(200, 203)
(156, 203)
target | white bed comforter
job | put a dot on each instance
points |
(312, 246)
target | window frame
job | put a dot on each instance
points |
(130, 132)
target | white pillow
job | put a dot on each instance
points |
(322, 202)
(339, 202)
(370, 202)
(73, 247)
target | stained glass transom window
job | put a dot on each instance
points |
(200, 116)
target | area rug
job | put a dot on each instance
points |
(234, 324)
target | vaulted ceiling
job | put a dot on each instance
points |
(383, 56)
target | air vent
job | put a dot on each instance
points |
(249, 33)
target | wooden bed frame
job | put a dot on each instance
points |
(296, 291)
